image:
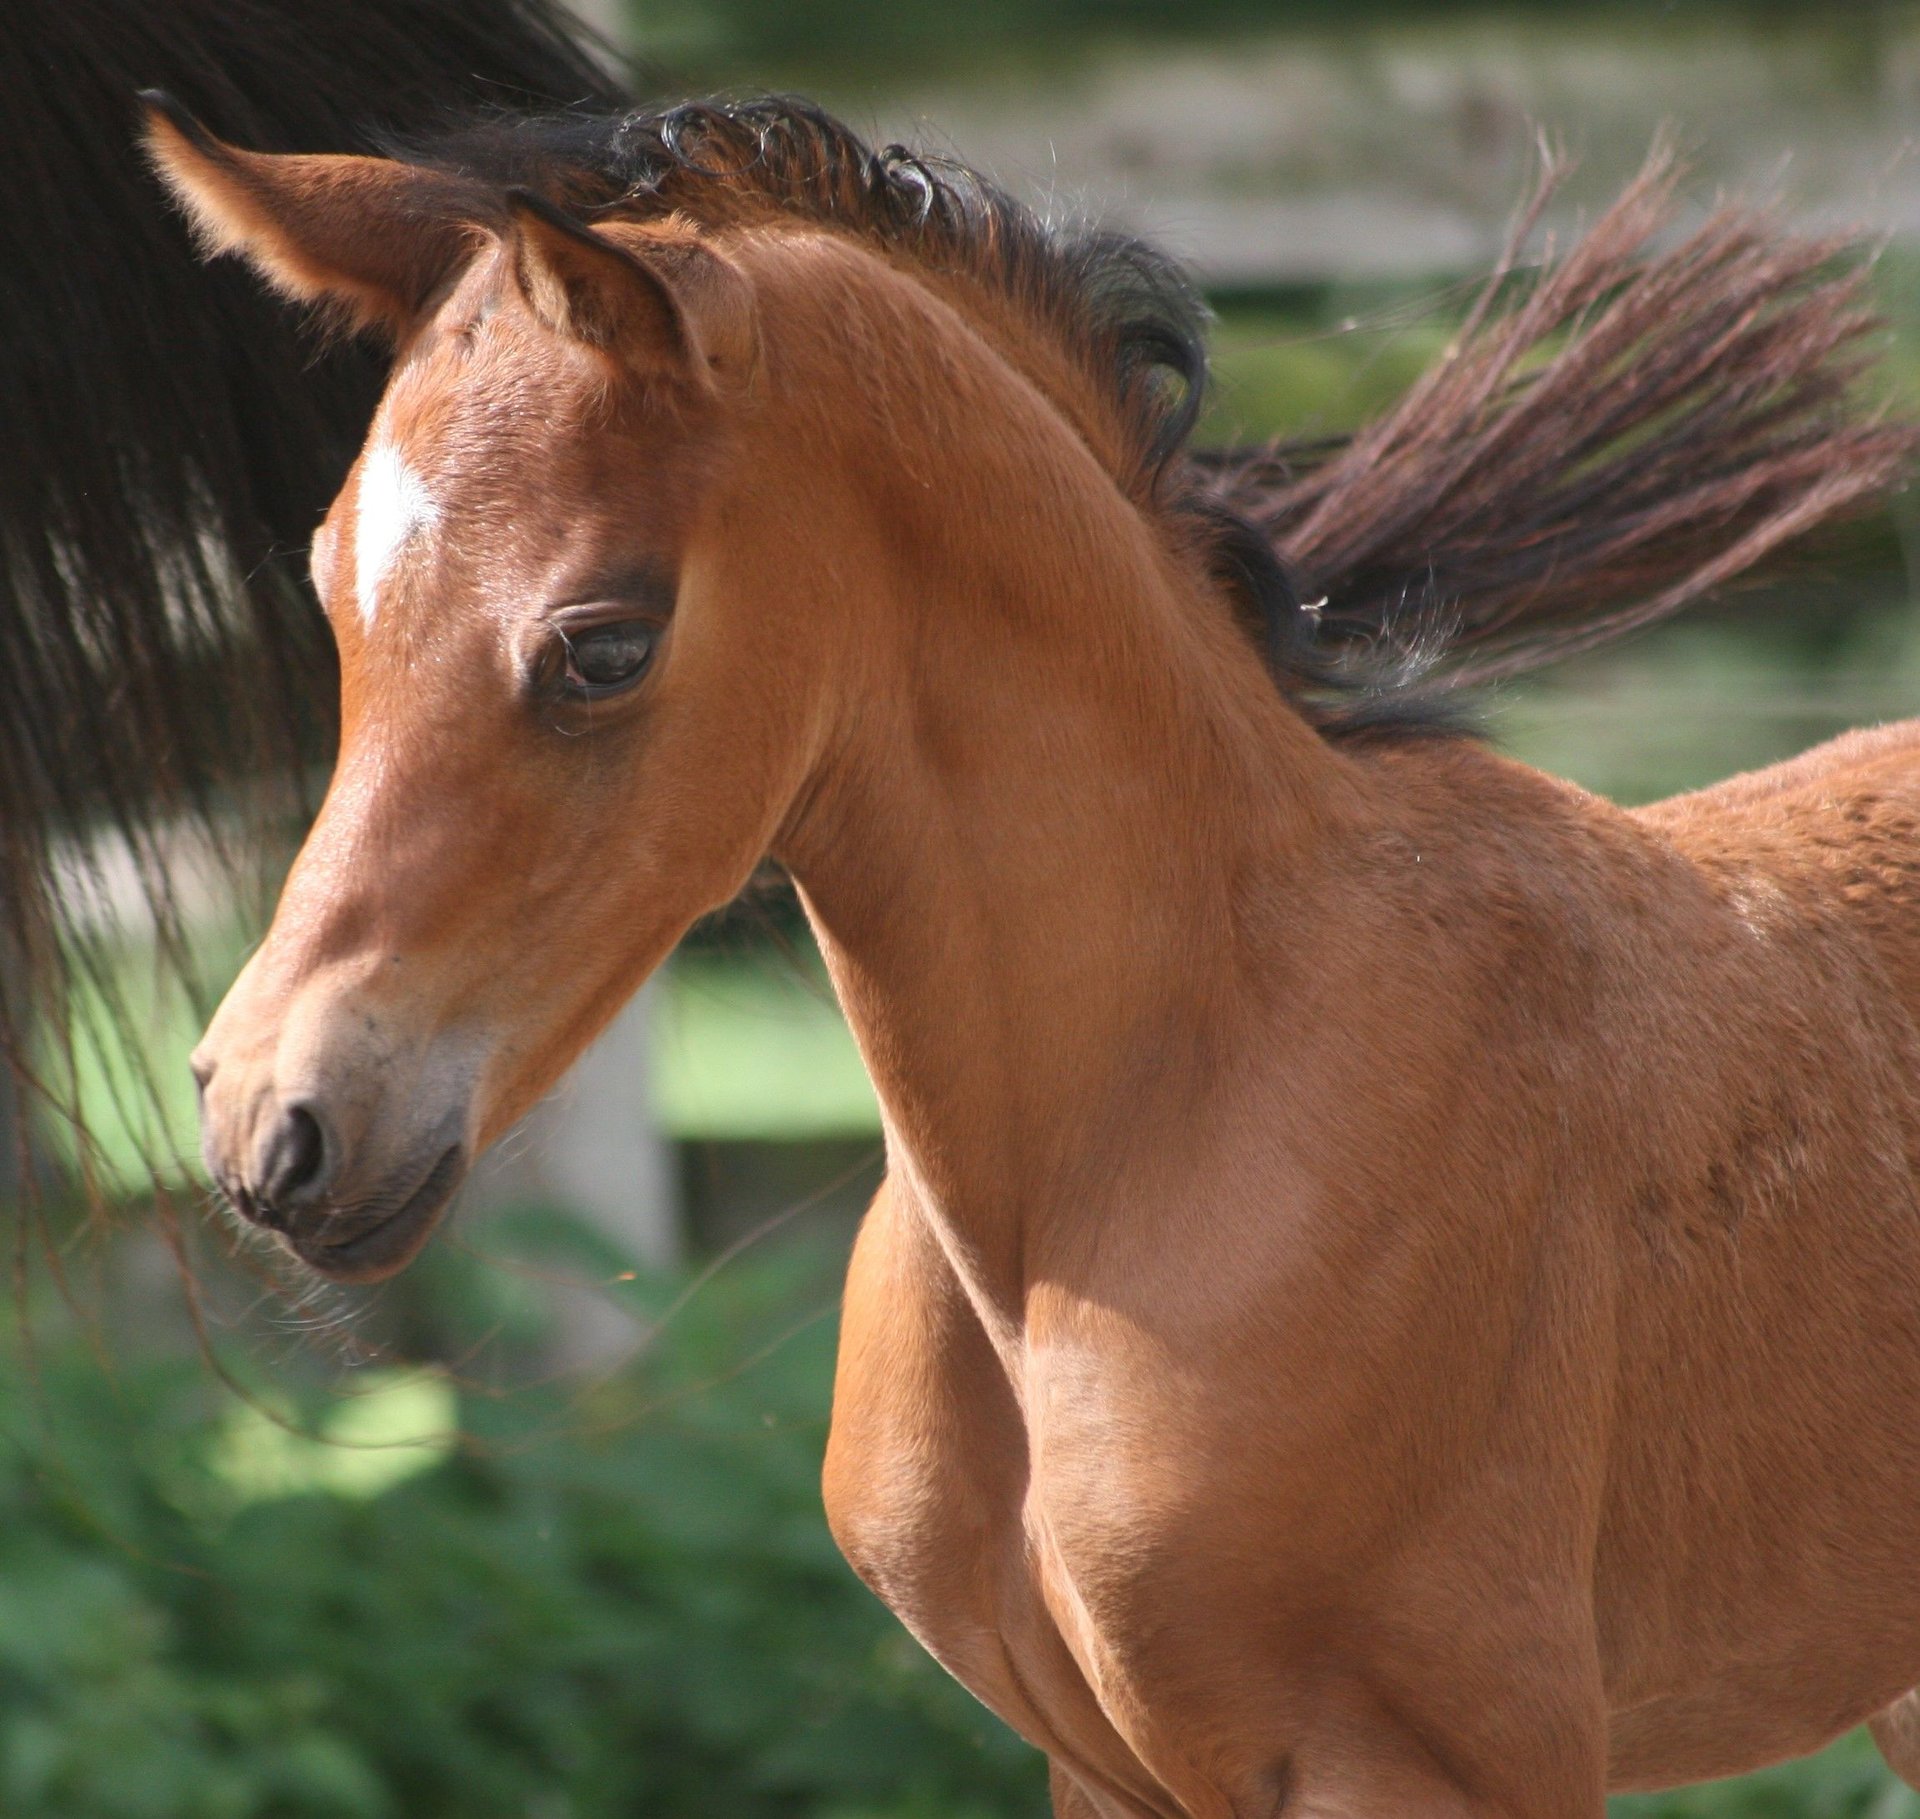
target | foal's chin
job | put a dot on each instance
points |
(359, 1245)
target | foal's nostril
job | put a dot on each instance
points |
(298, 1160)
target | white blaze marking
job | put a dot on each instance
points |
(394, 504)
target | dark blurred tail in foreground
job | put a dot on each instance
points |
(171, 440)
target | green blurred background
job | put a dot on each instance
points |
(536, 1531)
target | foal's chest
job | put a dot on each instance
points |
(980, 1522)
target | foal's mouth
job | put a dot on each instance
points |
(374, 1248)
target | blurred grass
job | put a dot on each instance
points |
(1318, 363)
(395, 1423)
(1846, 1781)
(407, 1595)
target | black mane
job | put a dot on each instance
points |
(1131, 317)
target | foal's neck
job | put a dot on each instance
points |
(1032, 855)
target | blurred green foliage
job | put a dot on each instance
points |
(751, 1045)
(617, 1602)
(1847, 1781)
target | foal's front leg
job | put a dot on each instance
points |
(1385, 1776)
(1451, 1708)
(1398, 1782)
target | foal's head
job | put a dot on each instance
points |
(600, 601)
(559, 744)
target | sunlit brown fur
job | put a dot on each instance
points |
(1397, 1289)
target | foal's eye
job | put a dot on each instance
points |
(603, 658)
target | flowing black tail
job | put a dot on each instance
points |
(1609, 437)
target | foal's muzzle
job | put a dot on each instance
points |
(351, 1197)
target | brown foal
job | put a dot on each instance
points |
(1397, 1289)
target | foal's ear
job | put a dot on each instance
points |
(655, 298)
(367, 238)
